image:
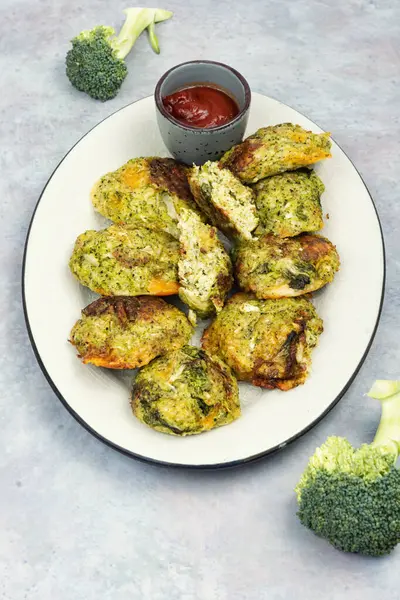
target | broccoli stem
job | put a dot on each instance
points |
(137, 20)
(388, 432)
(161, 15)
(153, 38)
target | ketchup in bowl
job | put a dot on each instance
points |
(201, 106)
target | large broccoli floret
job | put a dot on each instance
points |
(95, 63)
(352, 497)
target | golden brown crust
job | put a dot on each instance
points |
(276, 267)
(314, 247)
(167, 173)
(267, 342)
(275, 149)
(241, 156)
(126, 332)
(284, 372)
(125, 308)
(107, 361)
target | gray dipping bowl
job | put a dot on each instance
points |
(193, 144)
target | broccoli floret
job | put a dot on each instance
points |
(95, 63)
(351, 497)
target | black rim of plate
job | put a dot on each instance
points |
(146, 459)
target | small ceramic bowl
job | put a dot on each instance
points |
(193, 144)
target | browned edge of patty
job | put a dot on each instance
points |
(314, 247)
(293, 371)
(126, 308)
(171, 175)
(241, 156)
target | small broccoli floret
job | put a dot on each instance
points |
(351, 497)
(95, 64)
(92, 64)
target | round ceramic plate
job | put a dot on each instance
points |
(99, 398)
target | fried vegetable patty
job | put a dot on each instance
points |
(275, 267)
(205, 269)
(276, 149)
(289, 204)
(122, 261)
(186, 392)
(227, 203)
(145, 192)
(122, 332)
(266, 342)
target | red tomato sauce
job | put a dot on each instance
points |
(201, 106)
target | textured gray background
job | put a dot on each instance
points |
(79, 521)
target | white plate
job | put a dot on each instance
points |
(99, 399)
